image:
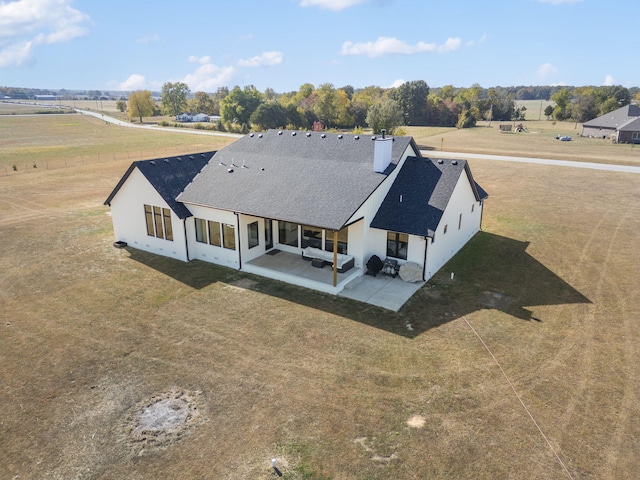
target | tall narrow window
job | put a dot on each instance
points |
(148, 215)
(460, 222)
(214, 233)
(252, 234)
(157, 219)
(472, 206)
(201, 230)
(229, 236)
(397, 245)
(168, 229)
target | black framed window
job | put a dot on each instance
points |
(311, 237)
(201, 230)
(214, 233)
(158, 221)
(252, 234)
(397, 245)
(228, 236)
(343, 241)
(288, 233)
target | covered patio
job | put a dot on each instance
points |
(383, 291)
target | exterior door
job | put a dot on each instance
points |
(268, 233)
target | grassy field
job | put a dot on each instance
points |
(54, 141)
(525, 366)
(538, 141)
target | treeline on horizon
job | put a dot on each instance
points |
(412, 103)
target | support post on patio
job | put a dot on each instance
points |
(335, 258)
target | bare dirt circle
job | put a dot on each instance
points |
(163, 419)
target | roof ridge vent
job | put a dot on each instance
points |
(152, 162)
(339, 137)
(323, 135)
(454, 162)
(440, 161)
(293, 134)
(308, 134)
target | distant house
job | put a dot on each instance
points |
(314, 198)
(191, 117)
(621, 125)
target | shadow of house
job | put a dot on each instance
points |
(495, 272)
(491, 272)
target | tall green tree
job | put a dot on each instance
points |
(174, 98)
(239, 105)
(269, 115)
(412, 98)
(325, 106)
(562, 99)
(140, 104)
(217, 97)
(385, 115)
(201, 103)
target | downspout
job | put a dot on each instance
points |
(239, 242)
(424, 264)
(186, 241)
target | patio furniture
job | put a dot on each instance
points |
(317, 262)
(345, 262)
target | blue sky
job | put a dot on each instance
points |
(282, 44)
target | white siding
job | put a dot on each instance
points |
(446, 245)
(374, 242)
(247, 254)
(205, 251)
(129, 224)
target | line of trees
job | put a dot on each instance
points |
(412, 103)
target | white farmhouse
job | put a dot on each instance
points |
(324, 203)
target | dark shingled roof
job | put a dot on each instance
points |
(616, 118)
(426, 186)
(310, 178)
(169, 176)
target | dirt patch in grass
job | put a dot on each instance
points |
(163, 419)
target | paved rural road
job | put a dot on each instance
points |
(428, 153)
(541, 161)
(120, 123)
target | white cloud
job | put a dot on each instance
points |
(335, 5)
(397, 83)
(16, 54)
(24, 24)
(608, 81)
(208, 77)
(134, 82)
(393, 46)
(546, 70)
(266, 59)
(559, 2)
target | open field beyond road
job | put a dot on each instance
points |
(539, 141)
(524, 366)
